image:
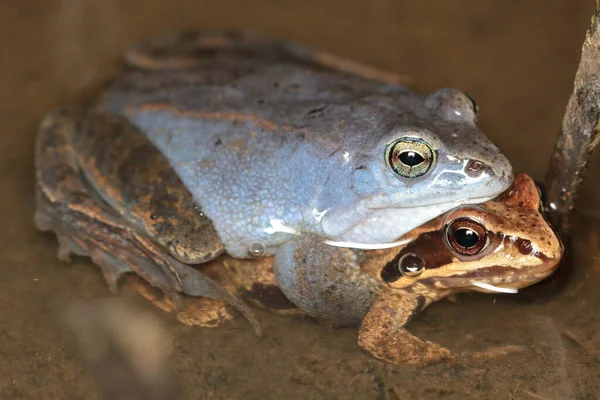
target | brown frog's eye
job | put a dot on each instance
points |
(411, 265)
(409, 157)
(466, 236)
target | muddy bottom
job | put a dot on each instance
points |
(517, 59)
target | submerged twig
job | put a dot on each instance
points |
(535, 396)
(579, 135)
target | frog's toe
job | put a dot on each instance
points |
(430, 353)
(42, 221)
(112, 269)
(67, 247)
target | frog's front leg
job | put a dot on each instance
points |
(191, 49)
(382, 331)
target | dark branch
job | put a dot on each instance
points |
(579, 135)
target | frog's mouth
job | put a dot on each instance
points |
(443, 207)
(512, 287)
(382, 228)
(506, 284)
(446, 204)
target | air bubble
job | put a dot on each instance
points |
(256, 249)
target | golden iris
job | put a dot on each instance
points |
(409, 157)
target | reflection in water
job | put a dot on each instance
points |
(126, 349)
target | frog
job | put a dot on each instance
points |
(223, 142)
(499, 246)
(271, 141)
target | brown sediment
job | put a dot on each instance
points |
(520, 77)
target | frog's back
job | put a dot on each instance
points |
(261, 142)
(284, 94)
(267, 136)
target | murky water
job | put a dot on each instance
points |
(516, 58)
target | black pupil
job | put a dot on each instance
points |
(411, 158)
(466, 237)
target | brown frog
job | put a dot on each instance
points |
(499, 246)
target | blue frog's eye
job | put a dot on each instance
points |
(409, 157)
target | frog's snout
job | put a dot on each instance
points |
(475, 168)
(500, 170)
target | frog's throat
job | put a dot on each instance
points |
(278, 226)
(456, 203)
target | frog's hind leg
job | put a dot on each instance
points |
(191, 49)
(112, 268)
(66, 245)
(104, 241)
(67, 205)
(192, 311)
(195, 311)
(136, 180)
(137, 272)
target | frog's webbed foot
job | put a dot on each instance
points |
(86, 225)
(191, 49)
(67, 246)
(382, 333)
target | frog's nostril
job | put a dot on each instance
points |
(475, 168)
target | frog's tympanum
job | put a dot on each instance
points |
(499, 246)
(221, 141)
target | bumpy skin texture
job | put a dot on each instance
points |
(274, 135)
(343, 286)
(120, 237)
(324, 281)
(137, 181)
